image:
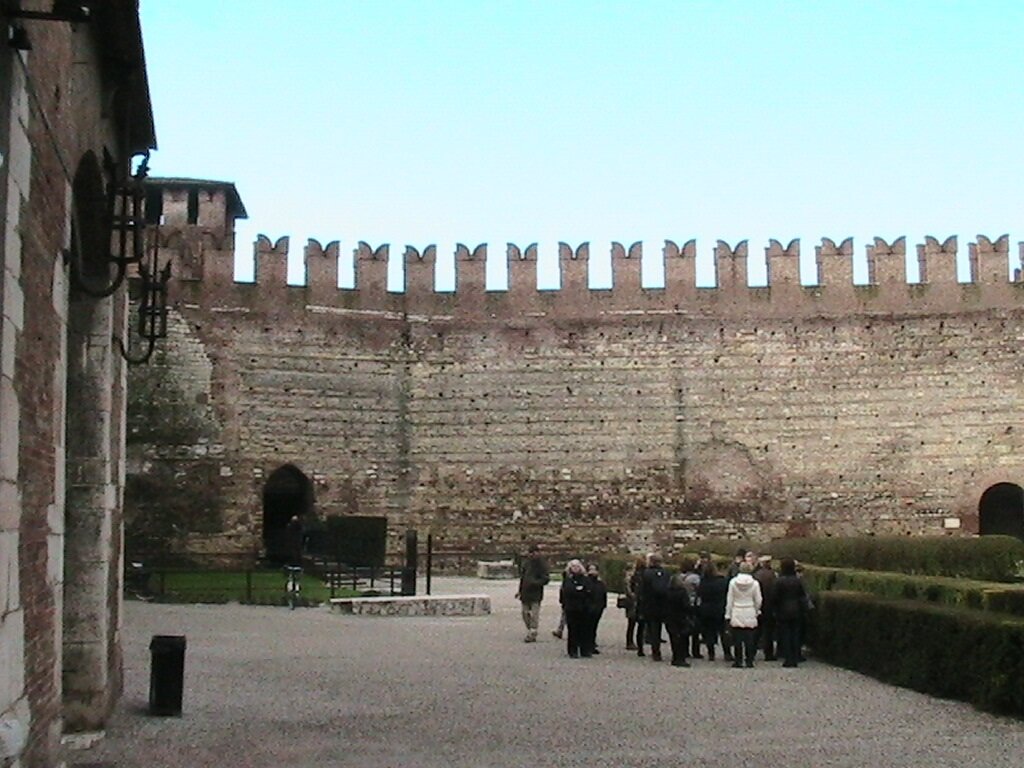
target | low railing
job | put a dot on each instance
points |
(375, 579)
(257, 585)
(261, 586)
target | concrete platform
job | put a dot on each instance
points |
(496, 569)
(414, 605)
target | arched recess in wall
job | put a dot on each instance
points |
(286, 494)
(92, 521)
(1001, 510)
(91, 226)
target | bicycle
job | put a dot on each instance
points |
(293, 585)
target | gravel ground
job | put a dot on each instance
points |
(272, 687)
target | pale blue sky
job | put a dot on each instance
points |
(471, 121)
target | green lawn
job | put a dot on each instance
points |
(259, 587)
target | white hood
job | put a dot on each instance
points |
(744, 582)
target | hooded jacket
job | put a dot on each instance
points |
(743, 601)
(533, 576)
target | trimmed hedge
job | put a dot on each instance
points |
(614, 567)
(613, 571)
(949, 652)
(984, 558)
(965, 593)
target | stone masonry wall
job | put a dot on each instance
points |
(619, 419)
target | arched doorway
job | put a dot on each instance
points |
(287, 493)
(1001, 510)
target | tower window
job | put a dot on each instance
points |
(154, 206)
(193, 206)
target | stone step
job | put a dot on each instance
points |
(413, 605)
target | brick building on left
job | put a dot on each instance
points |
(75, 118)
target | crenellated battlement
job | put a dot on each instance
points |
(833, 292)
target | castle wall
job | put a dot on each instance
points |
(622, 418)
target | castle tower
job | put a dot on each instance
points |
(196, 219)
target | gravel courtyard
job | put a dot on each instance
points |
(307, 688)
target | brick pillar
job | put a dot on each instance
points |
(731, 267)
(522, 275)
(680, 269)
(626, 266)
(937, 261)
(321, 267)
(887, 263)
(834, 262)
(990, 260)
(92, 539)
(573, 267)
(272, 263)
(783, 265)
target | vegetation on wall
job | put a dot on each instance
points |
(171, 484)
(161, 411)
(160, 511)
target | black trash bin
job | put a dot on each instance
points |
(167, 674)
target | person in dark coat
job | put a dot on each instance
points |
(293, 542)
(633, 594)
(533, 576)
(790, 601)
(679, 618)
(575, 597)
(711, 593)
(596, 603)
(766, 631)
(691, 571)
(653, 596)
(629, 605)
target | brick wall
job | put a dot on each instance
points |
(60, 376)
(625, 418)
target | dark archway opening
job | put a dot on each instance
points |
(1001, 511)
(287, 493)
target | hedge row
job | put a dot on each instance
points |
(984, 558)
(965, 593)
(613, 571)
(614, 567)
(940, 650)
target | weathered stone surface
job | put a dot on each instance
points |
(605, 420)
(496, 569)
(425, 605)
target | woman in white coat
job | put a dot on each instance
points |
(742, 607)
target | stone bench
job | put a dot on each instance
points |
(415, 605)
(496, 569)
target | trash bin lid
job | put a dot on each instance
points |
(161, 642)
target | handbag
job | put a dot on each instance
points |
(620, 601)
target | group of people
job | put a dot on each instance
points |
(749, 608)
(583, 597)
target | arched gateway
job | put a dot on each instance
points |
(287, 492)
(1001, 510)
